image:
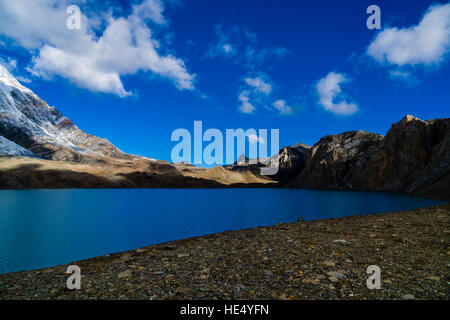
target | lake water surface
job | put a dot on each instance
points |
(43, 228)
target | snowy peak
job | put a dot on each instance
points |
(9, 148)
(8, 81)
(29, 122)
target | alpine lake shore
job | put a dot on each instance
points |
(322, 259)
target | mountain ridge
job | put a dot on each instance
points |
(41, 148)
(413, 158)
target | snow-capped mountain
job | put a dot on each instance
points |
(9, 148)
(30, 127)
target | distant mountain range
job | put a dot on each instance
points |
(41, 148)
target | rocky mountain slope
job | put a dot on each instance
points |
(9, 148)
(29, 122)
(291, 160)
(413, 157)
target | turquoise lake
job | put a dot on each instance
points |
(43, 228)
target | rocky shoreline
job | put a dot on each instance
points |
(324, 259)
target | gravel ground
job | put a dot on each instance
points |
(324, 259)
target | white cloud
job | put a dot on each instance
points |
(426, 43)
(408, 79)
(257, 92)
(9, 63)
(282, 107)
(95, 61)
(150, 9)
(257, 89)
(241, 45)
(23, 79)
(226, 43)
(257, 57)
(228, 48)
(81, 70)
(329, 89)
(31, 23)
(246, 106)
(259, 85)
(399, 74)
(253, 138)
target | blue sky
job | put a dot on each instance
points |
(136, 71)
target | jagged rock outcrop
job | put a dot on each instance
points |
(334, 159)
(413, 157)
(292, 160)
